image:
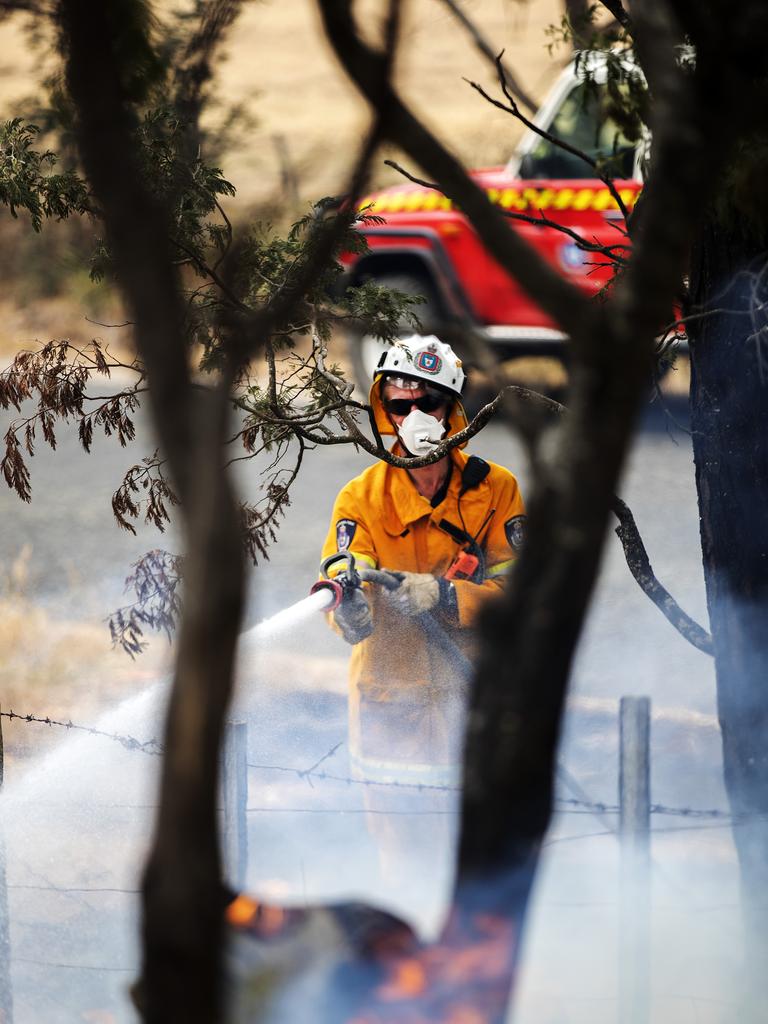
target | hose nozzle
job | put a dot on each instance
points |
(343, 583)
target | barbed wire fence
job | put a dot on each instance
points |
(237, 813)
(151, 746)
(312, 774)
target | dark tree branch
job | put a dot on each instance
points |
(616, 8)
(530, 638)
(194, 71)
(511, 725)
(640, 567)
(634, 549)
(488, 52)
(195, 66)
(183, 927)
(676, 190)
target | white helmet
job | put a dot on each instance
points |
(426, 358)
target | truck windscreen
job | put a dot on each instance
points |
(582, 121)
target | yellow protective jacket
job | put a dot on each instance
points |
(405, 690)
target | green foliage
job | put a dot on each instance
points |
(268, 261)
(27, 181)
(191, 188)
(383, 311)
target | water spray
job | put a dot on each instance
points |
(325, 596)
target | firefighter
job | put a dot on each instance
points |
(446, 536)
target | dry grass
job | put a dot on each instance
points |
(295, 88)
(55, 317)
(57, 667)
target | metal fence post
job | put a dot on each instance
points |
(234, 785)
(634, 830)
(6, 988)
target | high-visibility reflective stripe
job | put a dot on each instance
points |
(404, 772)
(500, 569)
(340, 566)
(367, 559)
(530, 198)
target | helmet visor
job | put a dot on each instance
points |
(432, 399)
(426, 403)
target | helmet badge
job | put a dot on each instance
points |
(429, 361)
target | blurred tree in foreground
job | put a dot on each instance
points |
(205, 302)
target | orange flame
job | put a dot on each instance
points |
(245, 912)
(408, 979)
(459, 980)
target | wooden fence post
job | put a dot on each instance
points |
(6, 988)
(234, 785)
(634, 830)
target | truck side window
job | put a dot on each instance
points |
(581, 122)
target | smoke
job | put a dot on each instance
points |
(78, 821)
(572, 962)
(77, 825)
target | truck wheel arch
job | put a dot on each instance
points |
(410, 269)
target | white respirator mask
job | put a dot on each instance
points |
(420, 432)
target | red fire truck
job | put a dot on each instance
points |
(426, 247)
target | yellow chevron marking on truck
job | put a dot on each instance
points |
(529, 199)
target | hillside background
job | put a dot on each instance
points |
(298, 128)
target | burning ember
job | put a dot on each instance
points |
(260, 919)
(373, 969)
(464, 978)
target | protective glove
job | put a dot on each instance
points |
(353, 617)
(418, 592)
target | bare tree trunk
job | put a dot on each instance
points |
(529, 640)
(183, 908)
(104, 45)
(729, 397)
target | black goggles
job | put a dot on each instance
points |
(430, 402)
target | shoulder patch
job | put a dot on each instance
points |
(514, 529)
(345, 531)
